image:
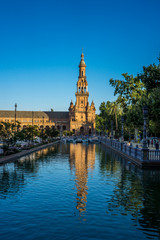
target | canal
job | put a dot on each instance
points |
(76, 191)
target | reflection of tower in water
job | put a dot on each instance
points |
(82, 157)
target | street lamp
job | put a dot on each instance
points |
(122, 132)
(15, 112)
(145, 115)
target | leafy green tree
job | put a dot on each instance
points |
(135, 92)
(129, 91)
(108, 111)
(154, 111)
(99, 123)
(150, 76)
(29, 133)
(51, 132)
(67, 133)
(6, 132)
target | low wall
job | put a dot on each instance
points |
(15, 156)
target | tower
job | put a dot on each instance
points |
(82, 116)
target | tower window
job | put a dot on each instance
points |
(82, 73)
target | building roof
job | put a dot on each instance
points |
(34, 114)
(58, 115)
(22, 114)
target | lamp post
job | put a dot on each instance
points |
(32, 125)
(111, 129)
(32, 117)
(15, 112)
(122, 132)
(145, 115)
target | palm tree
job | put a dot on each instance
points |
(115, 110)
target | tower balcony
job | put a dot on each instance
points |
(82, 94)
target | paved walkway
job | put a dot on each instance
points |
(15, 156)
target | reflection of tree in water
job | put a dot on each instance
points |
(109, 164)
(30, 163)
(151, 204)
(82, 157)
(11, 181)
(136, 192)
(13, 175)
(127, 195)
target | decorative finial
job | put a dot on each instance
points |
(82, 55)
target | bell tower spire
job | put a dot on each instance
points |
(82, 115)
(82, 66)
(82, 85)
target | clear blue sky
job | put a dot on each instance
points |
(41, 42)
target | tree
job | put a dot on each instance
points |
(6, 132)
(150, 77)
(129, 91)
(154, 111)
(116, 111)
(108, 111)
(135, 92)
(29, 133)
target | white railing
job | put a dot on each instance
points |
(154, 155)
(137, 153)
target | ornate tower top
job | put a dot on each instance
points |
(82, 85)
(82, 62)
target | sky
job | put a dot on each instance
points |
(41, 43)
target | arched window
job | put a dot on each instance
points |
(82, 130)
(79, 89)
(64, 127)
(82, 89)
(85, 89)
(82, 73)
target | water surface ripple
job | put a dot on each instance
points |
(76, 191)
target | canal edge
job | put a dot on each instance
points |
(15, 156)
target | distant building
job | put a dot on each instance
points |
(80, 119)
